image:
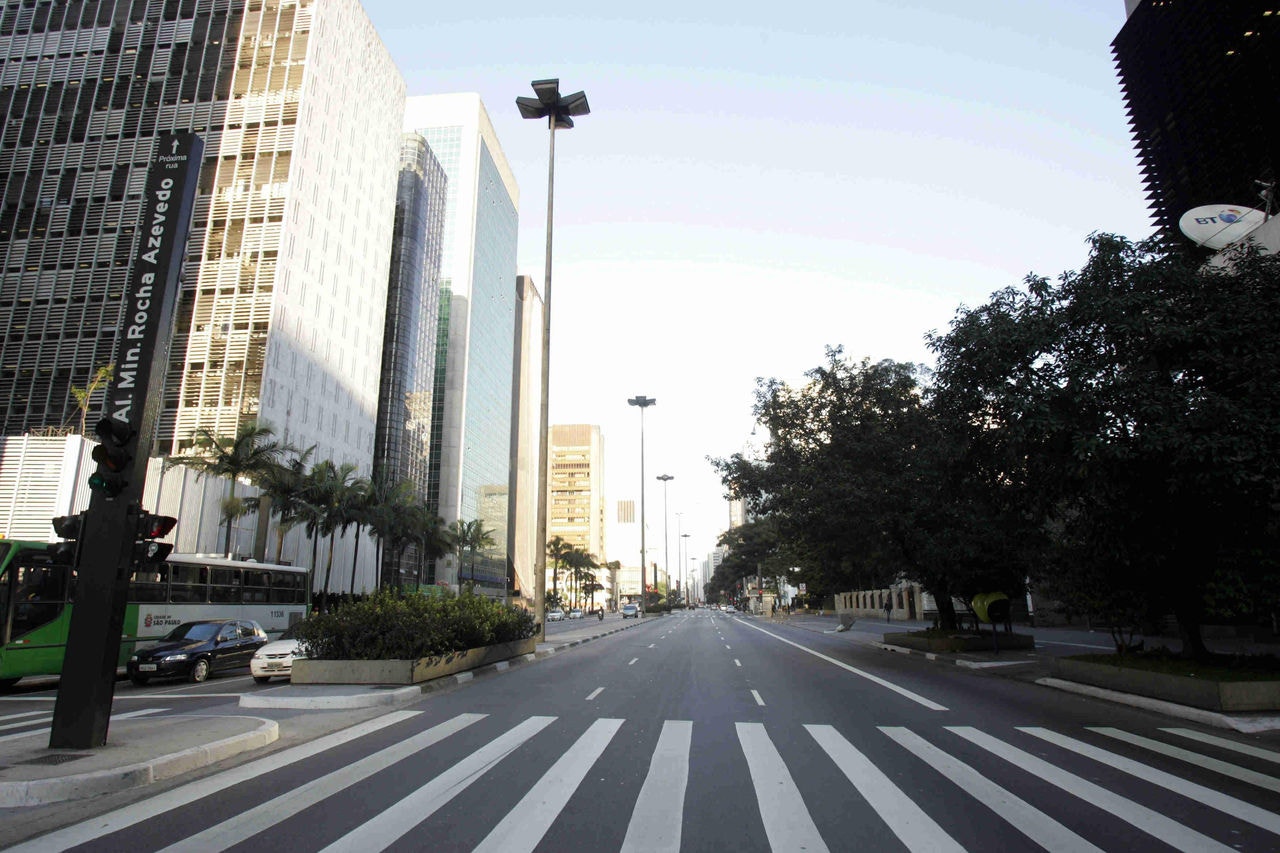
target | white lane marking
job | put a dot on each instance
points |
(901, 691)
(1153, 823)
(1226, 768)
(42, 722)
(19, 716)
(737, 662)
(756, 694)
(119, 819)
(651, 645)
(1040, 642)
(1021, 815)
(523, 827)
(633, 660)
(727, 646)
(787, 822)
(655, 826)
(145, 712)
(914, 828)
(260, 818)
(392, 824)
(594, 693)
(1214, 740)
(1238, 809)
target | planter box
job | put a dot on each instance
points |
(1227, 696)
(406, 671)
(960, 642)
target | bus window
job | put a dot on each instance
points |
(257, 586)
(224, 585)
(287, 588)
(39, 595)
(190, 584)
(147, 583)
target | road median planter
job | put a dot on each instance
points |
(406, 671)
(1225, 696)
(928, 641)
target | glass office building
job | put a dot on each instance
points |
(472, 402)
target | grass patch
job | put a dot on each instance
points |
(1215, 668)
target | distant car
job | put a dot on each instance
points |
(630, 611)
(575, 613)
(275, 659)
(556, 615)
(195, 649)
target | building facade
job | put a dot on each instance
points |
(526, 449)
(280, 312)
(402, 444)
(575, 493)
(471, 417)
(1201, 79)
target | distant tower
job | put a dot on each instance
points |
(1201, 80)
(575, 492)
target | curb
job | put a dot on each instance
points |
(95, 783)
(398, 696)
(1246, 725)
(967, 664)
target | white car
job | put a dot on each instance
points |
(575, 613)
(556, 615)
(275, 659)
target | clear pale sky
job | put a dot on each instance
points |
(758, 181)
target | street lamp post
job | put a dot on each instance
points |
(685, 536)
(666, 546)
(643, 403)
(557, 110)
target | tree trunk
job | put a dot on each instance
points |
(311, 570)
(328, 564)
(946, 609)
(355, 559)
(226, 550)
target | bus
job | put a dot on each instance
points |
(36, 596)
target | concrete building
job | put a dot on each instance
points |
(402, 443)
(575, 493)
(1200, 81)
(471, 419)
(526, 450)
(280, 314)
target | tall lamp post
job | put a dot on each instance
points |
(557, 109)
(683, 566)
(666, 546)
(643, 403)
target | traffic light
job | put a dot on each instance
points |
(70, 528)
(113, 456)
(150, 528)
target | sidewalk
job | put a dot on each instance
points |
(1034, 665)
(144, 750)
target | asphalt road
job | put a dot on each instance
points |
(703, 731)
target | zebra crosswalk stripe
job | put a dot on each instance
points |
(1226, 768)
(900, 813)
(1151, 822)
(248, 824)
(1020, 814)
(1214, 740)
(654, 827)
(390, 825)
(1239, 809)
(787, 822)
(524, 825)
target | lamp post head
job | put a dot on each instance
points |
(665, 478)
(550, 104)
(642, 402)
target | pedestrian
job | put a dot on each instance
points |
(600, 613)
(888, 609)
(774, 611)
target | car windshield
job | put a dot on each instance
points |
(194, 631)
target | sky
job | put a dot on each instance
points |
(757, 182)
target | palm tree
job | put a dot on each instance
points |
(385, 514)
(471, 536)
(284, 493)
(581, 566)
(333, 490)
(557, 548)
(432, 537)
(248, 456)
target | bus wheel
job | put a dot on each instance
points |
(140, 680)
(6, 683)
(200, 670)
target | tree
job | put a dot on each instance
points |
(283, 491)
(84, 395)
(334, 490)
(557, 548)
(250, 455)
(470, 537)
(1138, 400)
(581, 566)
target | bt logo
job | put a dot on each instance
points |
(1226, 216)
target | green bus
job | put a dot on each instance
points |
(37, 593)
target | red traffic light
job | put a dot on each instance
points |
(155, 526)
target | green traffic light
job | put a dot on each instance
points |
(109, 484)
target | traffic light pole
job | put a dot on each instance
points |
(111, 525)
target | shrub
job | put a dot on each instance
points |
(387, 626)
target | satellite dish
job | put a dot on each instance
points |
(1216, 226)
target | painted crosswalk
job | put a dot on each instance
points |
(810, 787)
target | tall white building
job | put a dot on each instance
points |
(472, 417)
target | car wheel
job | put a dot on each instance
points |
(140, 680)
(262, 679)
(199, 670)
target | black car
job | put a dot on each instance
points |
(195, 649)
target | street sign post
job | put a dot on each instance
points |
(111, 523)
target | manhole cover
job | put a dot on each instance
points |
(57, 758)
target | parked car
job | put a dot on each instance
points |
(556, 615)
(275, 659)
(630, 611)
(195, 649)
(575, 613)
